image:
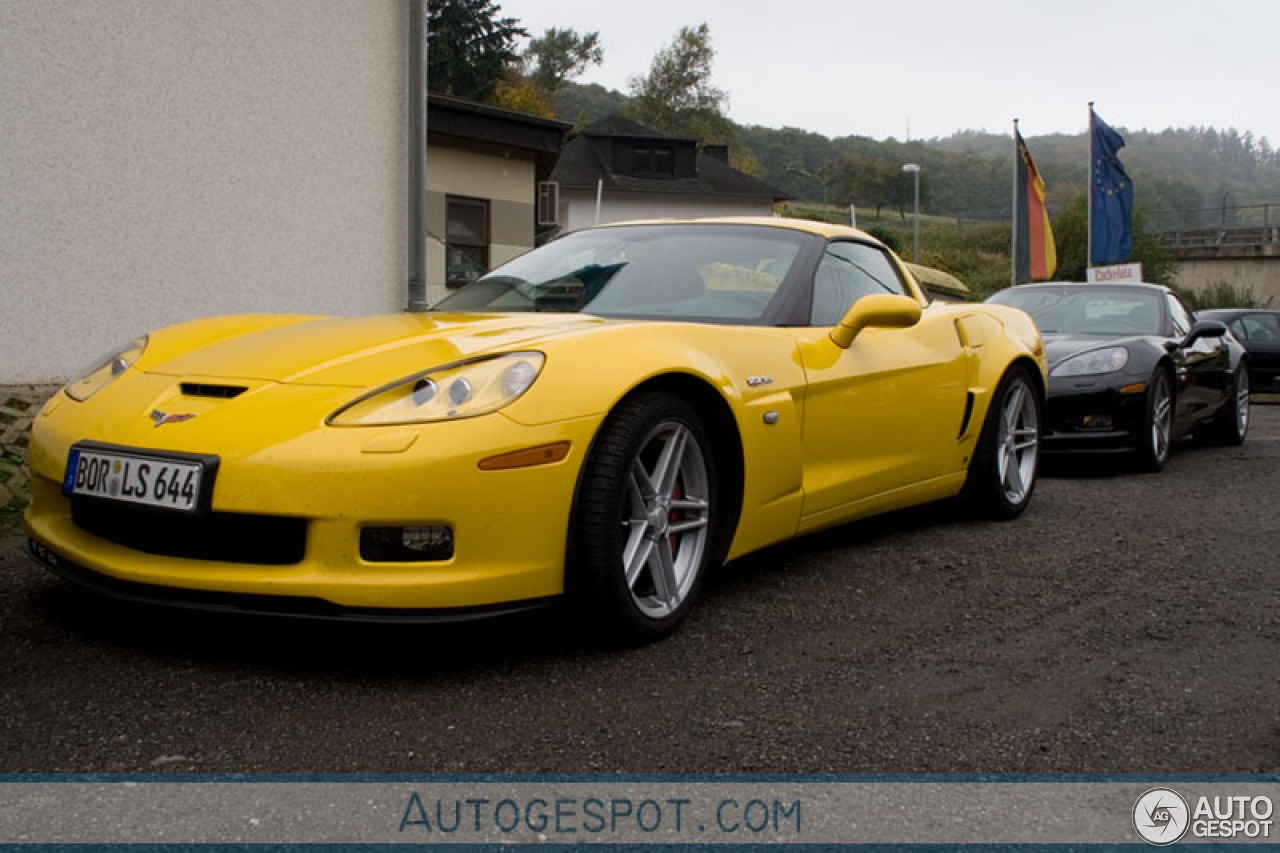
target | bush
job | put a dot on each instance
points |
(884, 235)
(1222, 294)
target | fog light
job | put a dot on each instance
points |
(419, 544)
(1095, 422)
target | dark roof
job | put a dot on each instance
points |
(620, 125)
(468, 120)
(583, 162)
(1233, 312)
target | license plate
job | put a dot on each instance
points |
(157, 480)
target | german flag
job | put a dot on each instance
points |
(1036, 254)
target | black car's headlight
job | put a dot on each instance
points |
(104, 370)
(461, 390)
(1105, 360)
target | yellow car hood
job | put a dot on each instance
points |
(356, 352)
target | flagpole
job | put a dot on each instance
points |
(1088, 240)
(1013, 210)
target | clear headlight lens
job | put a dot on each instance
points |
(454, 391)
(1106, 360)
(94, 380)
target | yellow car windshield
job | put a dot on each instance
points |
(704, 272)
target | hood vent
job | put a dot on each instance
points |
(219, 392)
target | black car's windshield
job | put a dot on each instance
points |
(703, 272)
(1087, 309)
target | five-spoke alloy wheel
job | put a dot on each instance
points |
(1156, 436)
(644, 518)
(1003, 472)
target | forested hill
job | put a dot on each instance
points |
(968, 174)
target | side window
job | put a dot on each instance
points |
(467, 240)
(1179, 316)
(848, 272)
(1239, 329)
(1260, 327)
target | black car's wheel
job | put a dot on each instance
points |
(1231, 424)
(1156, 433)
(644, 519)
(1002, 475)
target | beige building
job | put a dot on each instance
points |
(162, 160)
(484, 165)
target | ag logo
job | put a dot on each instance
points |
(1161, 816)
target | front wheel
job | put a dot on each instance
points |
(1156, 435)
(643, 519)
(1002, 475)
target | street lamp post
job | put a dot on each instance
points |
(915, 172)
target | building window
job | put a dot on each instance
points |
(466, 240)
(653, 163)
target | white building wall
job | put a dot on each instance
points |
(619, 207)
(168, 159)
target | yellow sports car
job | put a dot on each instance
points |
(601, 420)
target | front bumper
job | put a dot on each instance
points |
(509, 526)
(1093, 419)
(261, 604)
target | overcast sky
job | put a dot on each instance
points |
(845, 67)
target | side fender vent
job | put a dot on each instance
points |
(219, 392)
(968, 414)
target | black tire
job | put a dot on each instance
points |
(995, 488)
(625, 518)
(1231, 423)
(1156, 437)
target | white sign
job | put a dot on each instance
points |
(1119, 272)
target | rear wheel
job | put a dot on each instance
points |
(1156, 436)
(643, 519)
(1231, 423)
(1002, 475)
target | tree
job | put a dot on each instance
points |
(676, 96)
(469, 48)
(864, 182)
(1069, 229)
(561, 55)
(523, 95)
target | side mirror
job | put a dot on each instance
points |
(884, 311)
(1205, 329)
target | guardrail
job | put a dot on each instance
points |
(1221, 237)
(1162, 219)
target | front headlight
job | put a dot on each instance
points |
(1105, 360)
(461, 390)
(94, 380)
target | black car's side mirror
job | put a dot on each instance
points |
(1204, 329)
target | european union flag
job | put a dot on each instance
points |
(1111, 230)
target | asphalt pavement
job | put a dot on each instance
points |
(1126, 622)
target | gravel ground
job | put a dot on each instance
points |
(1125, 623)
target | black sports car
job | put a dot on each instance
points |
(1131, 369)
(1258, 330)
